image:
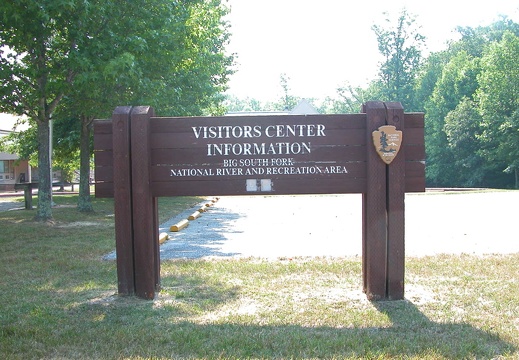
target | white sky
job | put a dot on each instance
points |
(323, 44)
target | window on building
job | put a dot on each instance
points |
(6, 169)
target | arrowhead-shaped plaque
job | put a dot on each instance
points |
(387, 140)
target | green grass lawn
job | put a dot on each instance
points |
(58, 300)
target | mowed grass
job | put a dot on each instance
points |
(58, 300)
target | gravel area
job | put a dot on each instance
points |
(290, 226)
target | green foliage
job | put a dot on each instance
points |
(456, 82)
(350, 99)
(462, 128)
(400, 44)
(184, 68)
(234, 104)
(288, 101)
(79, 59)
(470, 91)
(498, 97)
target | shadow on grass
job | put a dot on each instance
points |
(111, 326)
(451, 340)
(170, 326)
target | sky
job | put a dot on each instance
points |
(323, 44)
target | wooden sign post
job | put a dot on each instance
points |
(379, 152)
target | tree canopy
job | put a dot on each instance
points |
(469, 93)
(80, 59)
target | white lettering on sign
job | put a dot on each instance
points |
(258, 154)
(280, 131)
(239, 149)
(247, 131)
(226, 132)
(192, 172)
(260, 170)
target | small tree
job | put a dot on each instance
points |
(288, 101)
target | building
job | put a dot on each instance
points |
(12, 168)
(302, 108)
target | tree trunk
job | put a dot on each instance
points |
(44, 211)
(84, 203)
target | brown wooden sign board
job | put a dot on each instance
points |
(140, 157)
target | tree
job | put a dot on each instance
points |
(288, 101)
(184, 71)
(457, 82)
(79, 52)
(235, 104)
(40, 61)
(463, 127)
(400, 45)
(350, 99)
(177, 64)
(448, 79)
(498, 97)
(474, 40)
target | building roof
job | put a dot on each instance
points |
(7, 156)
(302, 108)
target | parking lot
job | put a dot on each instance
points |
(330, 225)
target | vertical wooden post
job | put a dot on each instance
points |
(395, 210)
(145, 239)
(123, 200)
(374, 222)
(156, 242)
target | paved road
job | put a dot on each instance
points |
(289, 226)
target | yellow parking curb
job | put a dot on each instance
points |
(163, 237)
(179, 226)
(194, 215)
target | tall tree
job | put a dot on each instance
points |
(41, 60)
(498, 97)
(400, 45)
(72, 49)
(175, 63)
(457, 81)
(462, 128)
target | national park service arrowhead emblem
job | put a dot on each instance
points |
(387, 140)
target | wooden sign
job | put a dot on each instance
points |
(140, 157)
(387, 140)
(258, 155)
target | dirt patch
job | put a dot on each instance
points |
(77, 224)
